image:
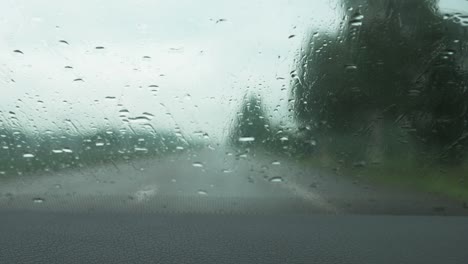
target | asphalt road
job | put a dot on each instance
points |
(214, 181)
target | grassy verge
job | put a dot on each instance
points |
(448, 181)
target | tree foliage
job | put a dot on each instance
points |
(251, 127)
(392, 62)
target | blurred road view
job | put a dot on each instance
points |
(214, 181)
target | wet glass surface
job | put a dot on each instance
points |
(291, 106)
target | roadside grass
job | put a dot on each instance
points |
(447, 181)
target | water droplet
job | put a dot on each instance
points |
(140, 119)
(358, 16)
(276, 179)
(450, 52)
(124, 112)
(148, 115)
(243, 155)
(38, 200)
(226, 171)
(276, 163)
(137, 149)
(198, 133)
(67, 150)
(197, 164)
(293, 74)
(28, 155)
(246, 139)
(99, 144)
(356, 21)
(350, 67)
(202, 192)
(179, 148)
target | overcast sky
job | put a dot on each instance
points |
(203, 56)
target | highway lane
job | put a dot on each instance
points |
(214, 181)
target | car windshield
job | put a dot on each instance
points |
(330, 106)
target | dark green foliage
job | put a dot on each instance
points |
(250, 122)
(393, 65)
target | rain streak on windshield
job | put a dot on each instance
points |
(344, 106)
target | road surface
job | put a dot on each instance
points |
(216, 181)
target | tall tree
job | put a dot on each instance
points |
(389, 62)
(251, 127)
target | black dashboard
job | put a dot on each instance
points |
(113, 237)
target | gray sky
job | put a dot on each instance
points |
(202, 68)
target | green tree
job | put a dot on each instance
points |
(251, 127)
(390, 64)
